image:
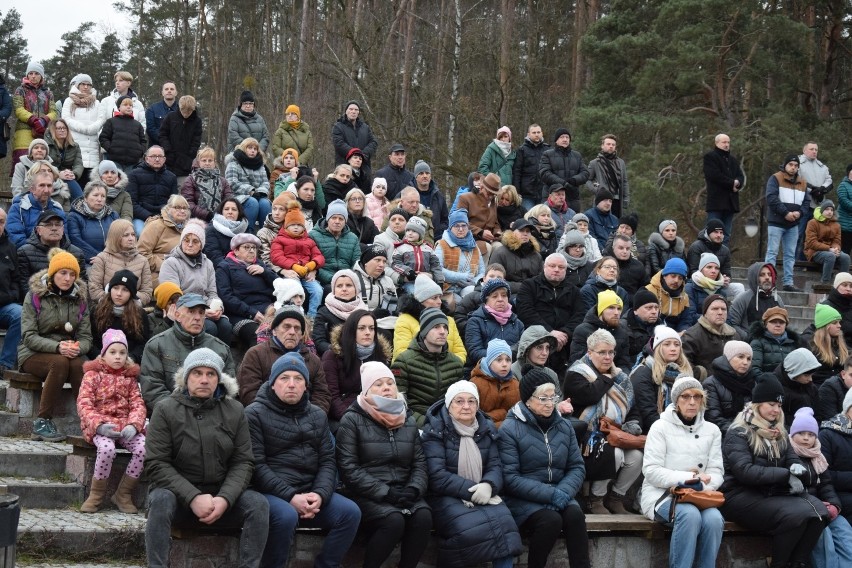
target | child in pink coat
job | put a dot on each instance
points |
(112, 412)
(376, 202)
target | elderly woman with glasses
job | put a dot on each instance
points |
(543, 472)
(462, 264)
(600, 389)
(603, 277)
(684, 450)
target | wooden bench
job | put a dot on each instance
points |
(23, 381)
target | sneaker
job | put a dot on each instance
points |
(791, 288)
(44, 429)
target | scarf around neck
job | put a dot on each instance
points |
(227, 227)
(388, 412)
(711, 286)
(364, 351)
(470, 460)
(79, 100)
(608, 283)
(209, 190)
(466, 244)
(249, 163)
(770, 434)
(342, 308)
(505, 147)
(501, 317)
(814, 455)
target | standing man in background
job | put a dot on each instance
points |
(724, 179)
(157, 112)
(819, 183)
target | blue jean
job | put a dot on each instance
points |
(220, 329)
(313, 290)
(138, 225)
(256, 208)
(339, 516)
(528, 203)
(10, 318)
(787, 238)
(727, 219)
(834, 547)
(828, 259)
(807, 215)
(696, 535)
(251, 512)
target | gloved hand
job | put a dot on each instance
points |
(311, 266)
(795, 484)
(481, 493)
(410, 275)
(798, 469)
(393, 496)
(31, 121)
(468, 504)
(832, 510)
(560, 499)
(108, 430)
(39, 127)
(128, 432)
(408, 498)
(299, 269)
(632, 427)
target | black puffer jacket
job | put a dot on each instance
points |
(660, 251)
(32, 257)
(727, 393)
(150, 189)
(557, 306)
(180, 138)
(372, 459)
(835, 436)
(10, 289)
(592, 323)
(768, 352)
(123, 139)
(831, 395)
(565, 167)
(525, 169)
(796, 395)
(345, 136)
(703, 244)
(364, 228)
(292, 447)
(469, 536)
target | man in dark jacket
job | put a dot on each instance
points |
(787, 200)
(552, 302)
(294, 466)
(164, 352)
(157, 112)
(199, 462)
(288, 328)
(351, 132)
(48, 233)
(397, 176)
(431, 197)
(710, 239)
(525, 176)
(180, 137)
(639, 321)
(605, 315)
(724, 179)
(10, 299)
(608, 171)
(602, 223)
(150, 185)
(564, 166)
(631, 271)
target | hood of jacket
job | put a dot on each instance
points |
(530, 336)
(121, 183)
(39, 286)
(754, 271)
(657, 240)
(77, 206)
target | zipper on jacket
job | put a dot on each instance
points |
(549, 455)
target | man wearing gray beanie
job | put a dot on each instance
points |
(199, 461)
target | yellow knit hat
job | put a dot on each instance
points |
(608, 298)
(60, 259)
(164, 292)
(293, 152)
(294, 109)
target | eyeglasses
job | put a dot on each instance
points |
(180, 207)
(692, 397)
(157, 156)
(465, 402)
(777, 322)
(609, 267)
(460, 226)
(604, 353)
(548, 399)
(52, 225)
(356, 198)
(248, 247)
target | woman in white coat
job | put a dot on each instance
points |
(81, 111)
(683, 449)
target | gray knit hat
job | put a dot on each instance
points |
(417, 225)
(425, 288)
(337, 207)
(800, 361)
(685, 384)
(203, 357)
(580, 217)
(429, 318)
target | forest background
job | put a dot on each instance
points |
(440, 76)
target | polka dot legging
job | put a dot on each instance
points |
(106, 453)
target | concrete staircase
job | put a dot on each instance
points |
(799, 305)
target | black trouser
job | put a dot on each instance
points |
(795, 546)
(543, 528)
(412, 531)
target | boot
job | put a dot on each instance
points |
(96, 496)
(597, 507)
(615, 503)
(123, 497)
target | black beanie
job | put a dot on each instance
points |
(246, 97)
(767, 388)
(789, 158)
(713, 225)
(533, 378)
(643, 297)
(127, 279)
(631, 221)
(709, 300)
(559, 132)
(605, 194)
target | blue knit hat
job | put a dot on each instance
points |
(337, 207)
(289, 362)
(458, 216)
(675, 266)
(496, 347)
(489, 287)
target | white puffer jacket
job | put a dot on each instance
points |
(85, 124)
(673, 451)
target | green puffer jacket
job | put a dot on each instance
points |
(43, 327)
(299, 138)
(340, 253)
(165, 353)
(195, 446)
(424, 376)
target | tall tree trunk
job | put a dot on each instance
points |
(506, 62)
(304, 33)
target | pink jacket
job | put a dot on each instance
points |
(107, 395)
(377, 209)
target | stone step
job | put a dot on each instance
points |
(9, 423)
(26, 402)
(107, 535)
(26, 458)
(28, 564)
(4, 384)
(44, 493)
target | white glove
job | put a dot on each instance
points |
(798, 469)
(481, 493)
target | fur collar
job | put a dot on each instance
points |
(381, 342)
(661, 243)
(227, 381)
(511, 241)
(39, 287)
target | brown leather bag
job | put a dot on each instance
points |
(702, 499)
(618, 438)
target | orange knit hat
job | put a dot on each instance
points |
(294, 215)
